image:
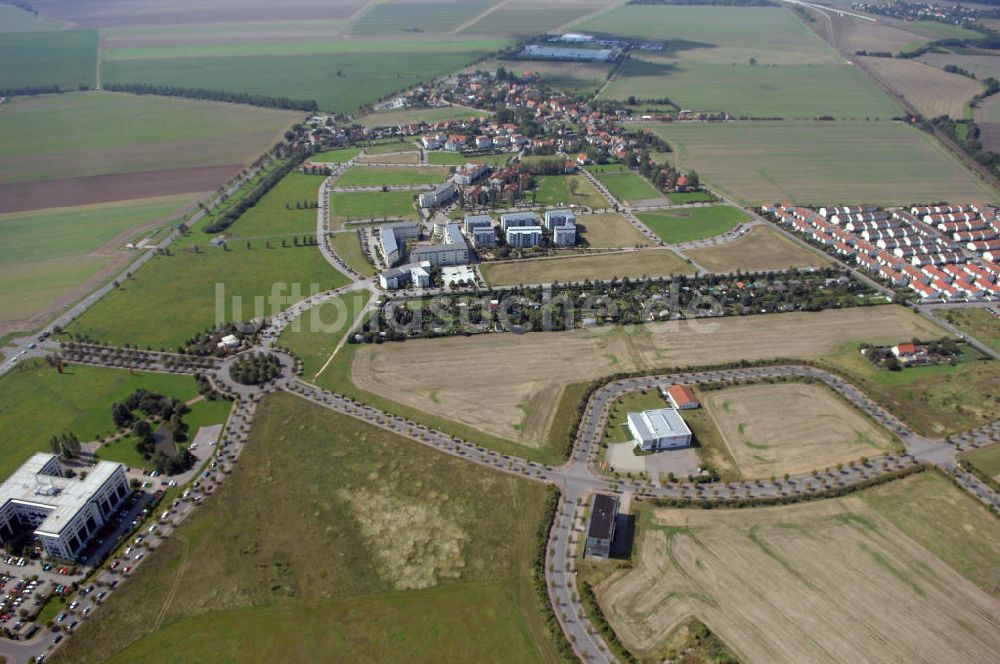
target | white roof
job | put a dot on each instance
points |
(65, 496)
(657, 424)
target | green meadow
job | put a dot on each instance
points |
(378, 176)
(402, 554)
(407, 16)
(314, 335)
(625, 185)
(372, 205)
(276, 215)
(693, 223)
(37, 402)
(66, 59)
(173, 297)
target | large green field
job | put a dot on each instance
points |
(732, 59)
(314, 336)
(624, 184)
(340, 81)
(50, 253)
(378, 176)
(37, 402)
(174, 297)
(73, 135)
(407, 16)
(693, 223)
(347, 245)
(822, 162)
(568, 190)
(372, 205)
(283, 211)
(380, 550)
(66, 59)
(528, 18)
(979, 323)
(15, 19)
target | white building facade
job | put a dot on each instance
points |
(660, 429)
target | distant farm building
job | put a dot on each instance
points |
(536, 52)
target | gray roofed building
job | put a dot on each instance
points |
(601, 530)
(659, 429)
(514, 219)
(443, 193)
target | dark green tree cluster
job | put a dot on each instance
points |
(264, 101)
(255, 369)
(66, 445)
(173, 465)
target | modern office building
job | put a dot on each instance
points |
(660, 429)
(64, 512)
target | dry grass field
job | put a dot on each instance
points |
(453, 377)
(839, 580)
(773, 429)
(759, 250)
(652, 263)
(859, 35)
(609, 231)
(931, 90)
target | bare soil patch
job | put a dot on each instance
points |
(105, 188)
(454, 377)
(773, 429)
(759, 250)
(831, 581)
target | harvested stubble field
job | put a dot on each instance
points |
(53, 257)
(867, 578)
(931, 90)
(609, 231)
(362, 176)
(452, 377)
(649, 263)
(759, 250)
(773, 429)
(808, 162)
(361, 544)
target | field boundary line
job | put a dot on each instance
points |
(343, 340)
(175, 586)
(477, 18)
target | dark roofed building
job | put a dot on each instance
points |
(601, 529)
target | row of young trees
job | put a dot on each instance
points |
(265, 101)
(226, 220)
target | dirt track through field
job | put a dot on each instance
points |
(25, 196)
(509, 385)
(831, 581)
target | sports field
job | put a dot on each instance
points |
(66, 59)
(568, 190)
(523, 402)
(773, 429)
(822, 162)
(685, 225)
(730, 59)
(609, 231)
(401, 554)
(348, 247)
(340, 78)
(793, 583)
(37, 402)
(371, 205)
(646, 263)
(625, 185)
(759, 250)
(932, 91)
(362, 176)
(173, 297)
(82, 148)
(53, 257)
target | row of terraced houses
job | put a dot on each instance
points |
(942, 252)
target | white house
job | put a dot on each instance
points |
(660, 429)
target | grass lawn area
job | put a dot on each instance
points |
(415, 115)
(977, 323)
(821, 162)
(66, 59)
(37, 402)
(321, 329)
(625, 185)
(693, 223)
(934, 400)
(50, 253)
(348, 246)
(90, 133)
(609, 231)
(364, 75)
(338, 156)
(123, 451)
(616, 430)
(372, 176)
(371, 205)
(568, 190)
(402, 554)
(459, 159)
(683, 197)
(985, 461)
(391, 146)
(643, 263)
(276, 215)
(173, 297)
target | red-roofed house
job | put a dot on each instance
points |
(681, 397)
(902, 350)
